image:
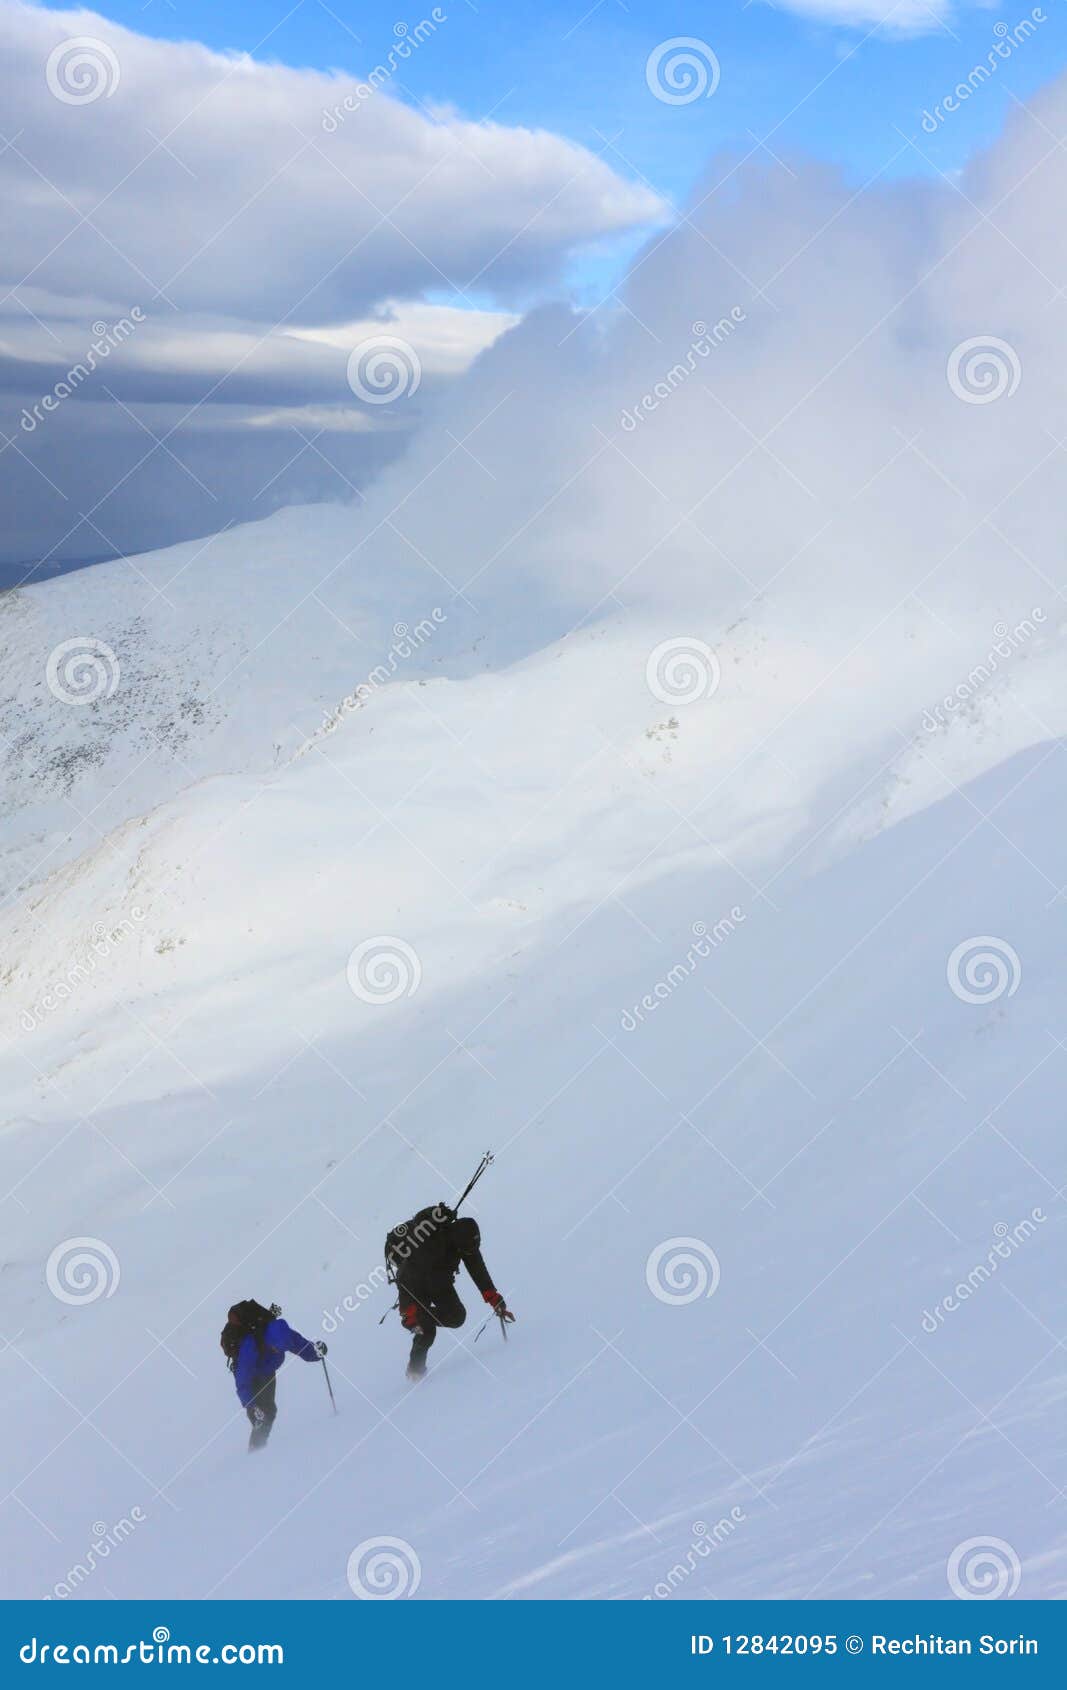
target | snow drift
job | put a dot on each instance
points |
(675, 808)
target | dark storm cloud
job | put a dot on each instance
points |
(217, 202)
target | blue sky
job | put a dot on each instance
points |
(837, 92)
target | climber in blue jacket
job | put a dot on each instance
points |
(255, 1341)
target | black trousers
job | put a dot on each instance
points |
(264, 1401)
(438, 1304)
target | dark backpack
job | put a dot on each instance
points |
(419, 1243)
(246, 1320)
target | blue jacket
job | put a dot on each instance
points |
(254, 1364)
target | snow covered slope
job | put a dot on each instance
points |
(842, 1135)
(645, 804)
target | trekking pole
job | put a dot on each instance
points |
(329, 1387)
(486, 1162)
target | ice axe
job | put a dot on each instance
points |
(503, 1319)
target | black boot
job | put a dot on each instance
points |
(261, 1412)
(417, 1360)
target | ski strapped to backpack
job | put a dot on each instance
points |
(486, 1162)
(403, 1239)
(248, 1319)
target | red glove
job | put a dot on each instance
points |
(498, 1305)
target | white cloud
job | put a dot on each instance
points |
(143, 189)
(316, 418)
(196, 351)
(905, 17)
(779, 462)
(802, 486)
(448, 340)
(259, 241)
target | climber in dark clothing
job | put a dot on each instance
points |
(424, 1255)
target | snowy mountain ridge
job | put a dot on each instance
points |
(223, 1059)
(289, 939)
